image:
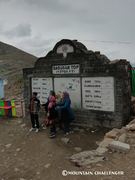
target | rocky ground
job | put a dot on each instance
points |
(28, 155)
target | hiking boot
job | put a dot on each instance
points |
(71, 132)
(32, 129)
(52, 135)
(37, 130)
(66, 134)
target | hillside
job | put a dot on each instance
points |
(12, 61)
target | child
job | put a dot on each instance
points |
(47, 105)
(52, 115)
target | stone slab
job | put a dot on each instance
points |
(101, 150)
(119, 146)
(87, 158)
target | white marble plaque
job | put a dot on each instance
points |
(42, 86)
(98, 93)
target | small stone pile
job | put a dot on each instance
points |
(116, 140)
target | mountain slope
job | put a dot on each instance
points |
(12, 62)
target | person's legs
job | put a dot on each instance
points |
(52, 131)
(60, 123)
(59, 119)
(37, 122)
(66, 127)
(32, 120)
(65, 119)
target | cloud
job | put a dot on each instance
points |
(37, 45)
(20, 31)
(36, 26)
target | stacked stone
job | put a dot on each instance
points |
(116, 140)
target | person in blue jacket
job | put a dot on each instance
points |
(66, 112)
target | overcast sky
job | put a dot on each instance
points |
(35, 26)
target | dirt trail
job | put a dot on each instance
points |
(28, 155)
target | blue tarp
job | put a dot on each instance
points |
(1, 88)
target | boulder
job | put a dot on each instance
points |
(101, 150)
(113, 133)
(87, 158)
(78, 149)
(130, 127)
(65, 140)
(131, 122)
(119, 146)
(105, 142)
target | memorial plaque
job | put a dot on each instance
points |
(98, 93)
(42, 86)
